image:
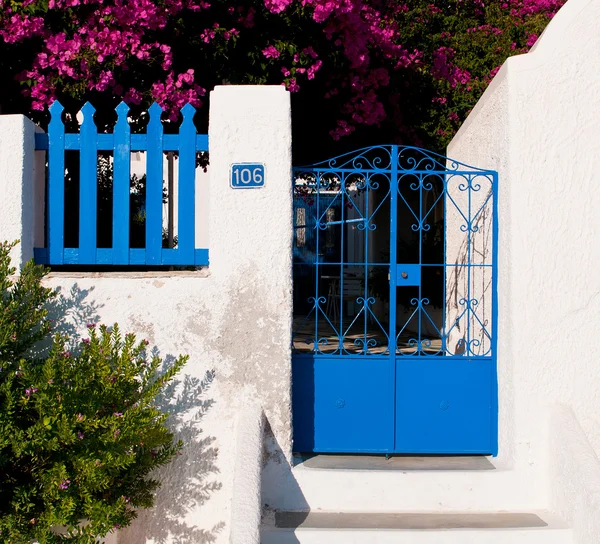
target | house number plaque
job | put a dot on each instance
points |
(248, 175)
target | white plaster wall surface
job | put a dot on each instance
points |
(575, 473)
(234, 320)
(18, 164)
(246, 503)
(537, 125)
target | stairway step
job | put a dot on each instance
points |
(416, 528)
(408, 520)
(350, 483)
(379, 462)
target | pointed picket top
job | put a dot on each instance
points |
(88, 113)
(122, 110)
(188, 111)
(155, 112)
(56, 109)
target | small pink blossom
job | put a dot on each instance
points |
(531, 40)
(30, 391)
(293, 86)
(271, 52)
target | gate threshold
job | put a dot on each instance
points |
(397, 462)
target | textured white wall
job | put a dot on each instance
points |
(21, 187)
(575, 476)
(537, 125)
(246, 504)
(233, 319)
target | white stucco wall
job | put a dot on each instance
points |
(246, 504)
(21, 187)
(233, 319)
(575, 476)
(537, 124)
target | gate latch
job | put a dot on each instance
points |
(408, 274)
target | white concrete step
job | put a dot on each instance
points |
(409, 484)
(467, 536)
(416, 528)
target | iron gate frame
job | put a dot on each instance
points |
(395, 163)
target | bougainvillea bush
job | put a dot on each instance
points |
(411, 67)
(79, 431)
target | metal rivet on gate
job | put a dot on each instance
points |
(404, 275)
(444, 405)
(340, 403)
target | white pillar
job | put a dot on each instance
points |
(250, 248)
(250, 243)
(251, 124)
(21, 187)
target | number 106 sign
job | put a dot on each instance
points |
(247, 175)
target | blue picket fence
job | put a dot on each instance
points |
(121, 143)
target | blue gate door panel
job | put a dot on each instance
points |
(394, 336)
(342, 404)
(446, 406)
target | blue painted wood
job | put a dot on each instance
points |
(40, 255)
(122, 143)
(56, 185)
(154, 186)
(71, 255)
(105, 142)
(202, 142)
(104, 256)
(121, 187)
(201, 257)
(444, 408)
(41, 141)
(186, 231)
(137, 257)
(171, 256)
(88, 187)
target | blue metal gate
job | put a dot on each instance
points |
(395, 304)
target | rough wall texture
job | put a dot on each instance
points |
(538, 126)
(575, 473)
(234, 320)
(246, 505)
(21, 199)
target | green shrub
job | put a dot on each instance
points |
(79, 430)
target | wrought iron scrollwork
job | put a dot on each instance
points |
(438, 201)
